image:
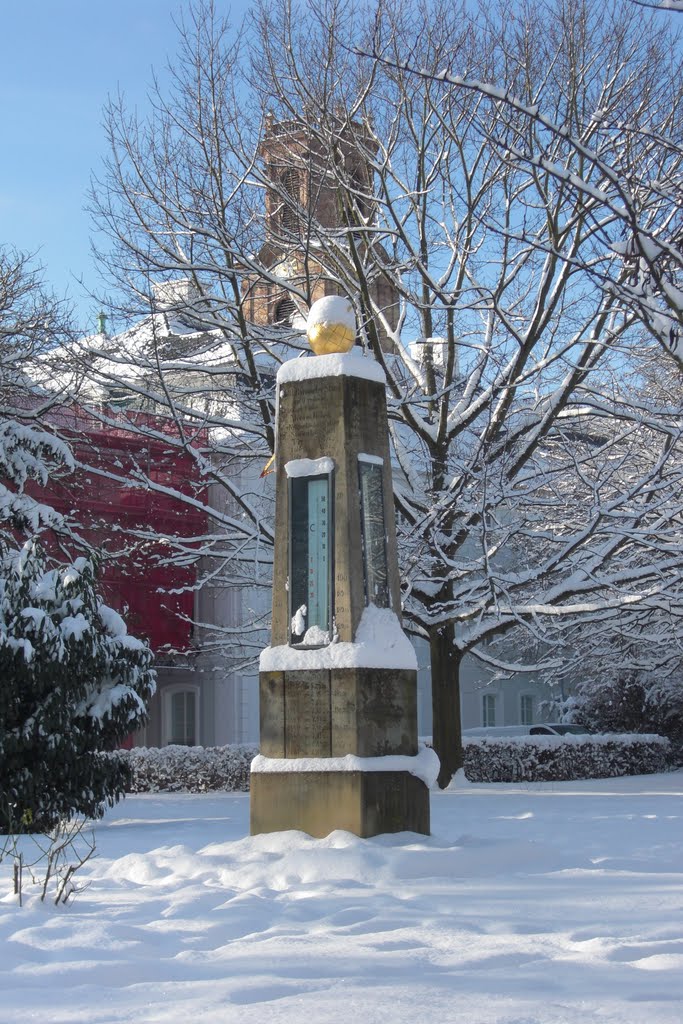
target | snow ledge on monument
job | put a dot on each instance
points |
(338, 364)
(424, 765)
(380, 643)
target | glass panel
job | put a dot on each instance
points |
(310, 575)
(190, 710)
(373, 533)
(177, 718)
(183, 704)
(489, 708)
(526, 709)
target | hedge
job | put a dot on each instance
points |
(555, 758)
(497, 759)
(189, 769)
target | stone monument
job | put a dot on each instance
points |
(338, 705)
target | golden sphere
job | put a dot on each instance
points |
(326, 338)
(331, 325)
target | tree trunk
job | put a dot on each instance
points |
(446, 724)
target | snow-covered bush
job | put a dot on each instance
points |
(503, 759)
(74, 684)
(557, 758)
(190, 769)
(635, 703)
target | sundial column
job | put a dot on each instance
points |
(339, 745)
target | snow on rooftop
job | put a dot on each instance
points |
(339, 364)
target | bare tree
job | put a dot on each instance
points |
(504, 240)
(488, 254)
(608, 148)
(184, 221)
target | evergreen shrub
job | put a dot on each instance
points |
(74, 685)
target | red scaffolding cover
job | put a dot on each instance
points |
(138, 496)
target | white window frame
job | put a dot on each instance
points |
(167, 695)
(522, 698)
(486, 700)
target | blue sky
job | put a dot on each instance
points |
(59, 59)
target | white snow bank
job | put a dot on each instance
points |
(556, 903)
(380, 643)
(491, 731)
(424, 765)
(339, 364)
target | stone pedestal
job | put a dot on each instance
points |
(365, 803)
(325, 690)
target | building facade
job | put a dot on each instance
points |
(166, 597)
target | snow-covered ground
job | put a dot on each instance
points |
(558, 903)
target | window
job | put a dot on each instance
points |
(310, 553)
(488, 709)
(526, 709)
(181, 716)
(120, 398)
(291, 186)
(373, 531)
(284, 311)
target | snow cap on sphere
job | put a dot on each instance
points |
(331, 325)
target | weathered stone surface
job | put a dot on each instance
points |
(272, 713)
(307, 714)
(331, 713)
(365, 803)
(394, 802)
(344, 717)
(374, 712)
(368, 712)
(366, 431)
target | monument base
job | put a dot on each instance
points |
(365, 803)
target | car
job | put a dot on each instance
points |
(558, 729)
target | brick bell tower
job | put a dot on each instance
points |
(303, 199)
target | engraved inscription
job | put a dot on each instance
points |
(308, 419)
(344, 714)
(307, 710)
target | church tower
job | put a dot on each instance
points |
(303, 204)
